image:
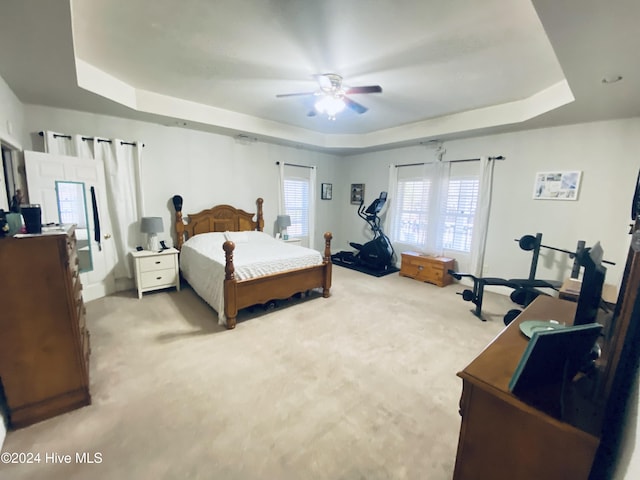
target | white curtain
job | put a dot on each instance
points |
(120, 168)
(85, 147)
(281, 188)
(438, 175)
(122, 175)
(481, 221)
(59, 144)
(392, 190)
(312, 207)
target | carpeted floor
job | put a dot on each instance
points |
(358, 386)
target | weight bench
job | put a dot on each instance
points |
(525, 290)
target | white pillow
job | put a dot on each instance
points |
(210, 238)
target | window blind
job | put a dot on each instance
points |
(462, 201)
(296, 204)
(453, 219)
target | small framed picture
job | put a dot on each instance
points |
(357, 193)
(326, 192)
(557, 185)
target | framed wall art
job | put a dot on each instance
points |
(326, 191)
(557, 185)
(357, 193)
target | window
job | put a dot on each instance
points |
(454, 219)
(413, 211)
(71, 203)
(462, 200)
(296, 205)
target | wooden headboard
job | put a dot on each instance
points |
(221, 218)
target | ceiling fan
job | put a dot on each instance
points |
(332, 96)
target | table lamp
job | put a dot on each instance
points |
(284, 221)
(152, 226)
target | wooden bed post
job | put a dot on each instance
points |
(230, 304)
(179, 224)
(328, 266)
(260, 219)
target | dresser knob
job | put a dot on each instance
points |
(107, 236)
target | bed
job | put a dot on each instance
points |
(208, 241)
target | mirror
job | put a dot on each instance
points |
(72, 203)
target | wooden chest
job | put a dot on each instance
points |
(426, 268)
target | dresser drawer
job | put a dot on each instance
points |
(158, 278)
(77, 289)
(81, 311)
(158, 262)
(71, 244)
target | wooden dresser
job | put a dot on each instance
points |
(44, 342)
(505, 437)
(427, 268)
(551, 433)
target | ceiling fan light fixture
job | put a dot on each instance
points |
(332, 98)
(331, 105)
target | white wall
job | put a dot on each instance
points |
(11, 132)
(608, 154)
(11, 116)
(206, 169)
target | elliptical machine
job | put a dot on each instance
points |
(376, 254)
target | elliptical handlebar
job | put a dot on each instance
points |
(370, 214)
(372, 219)
(361, 210)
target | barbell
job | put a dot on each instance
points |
(529, 242)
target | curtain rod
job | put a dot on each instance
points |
(58, 135)
(499, 157)
(295, 165)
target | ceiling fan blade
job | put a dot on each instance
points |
(355, 106)
(366, 89)
(295, 94)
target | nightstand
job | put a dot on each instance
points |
(156, 270)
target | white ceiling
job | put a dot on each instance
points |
(448, 68)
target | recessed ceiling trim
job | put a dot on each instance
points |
(104, 84)
(513, 112)
(97, 81)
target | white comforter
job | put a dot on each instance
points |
(256, 254)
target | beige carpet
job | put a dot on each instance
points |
(358, 386)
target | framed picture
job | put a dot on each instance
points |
(557, 185)
(325, 194)
(357, 193)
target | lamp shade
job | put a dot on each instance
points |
(151, 225)
(284, 221)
